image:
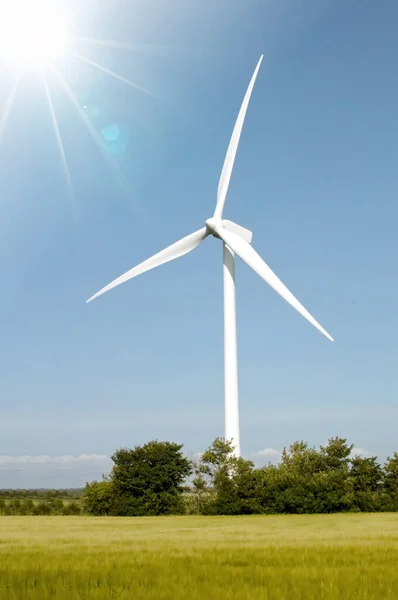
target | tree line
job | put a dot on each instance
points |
(41, 493)
(40, 502)
(47, 506)
(157, 479)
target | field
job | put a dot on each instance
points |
(263, 557)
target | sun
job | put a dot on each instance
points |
(33, 35)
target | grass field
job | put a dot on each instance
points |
(223, 558)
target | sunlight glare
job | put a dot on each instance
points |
(32, 34)
(58, 137)
(9, 104)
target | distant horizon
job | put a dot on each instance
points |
(78, 468)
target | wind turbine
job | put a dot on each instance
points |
(236, 240)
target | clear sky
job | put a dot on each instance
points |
(315, 179)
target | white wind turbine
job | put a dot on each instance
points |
(236, 240)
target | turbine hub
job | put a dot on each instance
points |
(213, 224)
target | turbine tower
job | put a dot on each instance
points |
(236, 240)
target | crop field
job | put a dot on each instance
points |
(291, 557)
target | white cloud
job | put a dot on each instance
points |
(360, 452)
(268, 452)
(45, 459)
(52, 471)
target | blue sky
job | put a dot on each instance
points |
(315, 180)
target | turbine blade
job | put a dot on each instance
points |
(176, 250)
(233, 147)
(254, 260)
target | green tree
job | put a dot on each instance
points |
(148, 480)
(366, 476)
(55, 504)
(246, 487)
(27, 506)
(200, 500)
(217, 466)
(307, 480)
(98, 498)
(295, 489)
(42, 508)
(51, 494)
(231, 479)
(333, 490)
(302, 460)
(336, 455)
(71, 508)
(390, 483)
(15, 506)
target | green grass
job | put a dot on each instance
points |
(224, 558)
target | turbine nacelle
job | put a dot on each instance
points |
(214, 224)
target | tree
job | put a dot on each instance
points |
(15, 506)
(27, 506)
(390, 481)
(230, 478)
(200, 501)
(302, 460)
(366, 477)
(246, 487)
(336, 455)
(55, 504)
(71, 508)
(307, 480)
(333, 490)
(41, 508)
(295, 489)
(98, 498)
(148, 480)
(366, 474)
(217, 466)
